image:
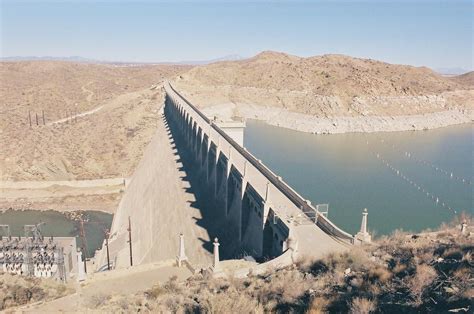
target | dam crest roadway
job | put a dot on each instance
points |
(197, 180)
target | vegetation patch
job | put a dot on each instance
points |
(398, 273)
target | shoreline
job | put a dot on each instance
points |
(4, 210)
(340, 124)
(53, 207)
(64, 196)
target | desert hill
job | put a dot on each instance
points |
(64, 88)
(466, 79)
(106, 143)
(326, 75)
(324, 86)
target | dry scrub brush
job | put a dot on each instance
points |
(19, 290)
(399, 273)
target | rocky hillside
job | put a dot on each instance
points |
(466, 79)
(64, 88)
(328, 85)
(325, 75)
(119, 112)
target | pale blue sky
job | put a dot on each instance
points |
(438, 34)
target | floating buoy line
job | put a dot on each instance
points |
(411, 156)
(436, 199)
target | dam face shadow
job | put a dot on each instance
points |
(212, 218)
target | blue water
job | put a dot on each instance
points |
(343, 171)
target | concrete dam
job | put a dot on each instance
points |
(197, 180)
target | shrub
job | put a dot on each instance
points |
(172, 285)
(362, 306)
(380, 274)
(318, 305)
(98, 300)
(424, 276)
(230, 301)
(155, 292)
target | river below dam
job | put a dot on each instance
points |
(60, 224)
(411, 180)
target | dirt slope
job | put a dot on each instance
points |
(107, 143)
(466, 79)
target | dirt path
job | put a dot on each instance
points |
(20, 185)
(82, 114)
(115, 283)
(99, 194)
(85, 90)
(41, 190)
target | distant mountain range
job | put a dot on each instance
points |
(79, 59)
(49, 58)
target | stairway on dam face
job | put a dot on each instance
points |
(161, 205)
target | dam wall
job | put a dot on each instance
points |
(248, 202)
(159, 206)
(263, 211)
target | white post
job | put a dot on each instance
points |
(363, 236)
(216, 267)
(81, 273)
(181, 255)
(463, 227)
(363, 225)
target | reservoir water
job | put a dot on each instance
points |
(407, 180)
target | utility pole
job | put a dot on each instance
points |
(130, 240)
(84, 243)
(29, 117)
(85, 260)
(42, 111)
(36, 114)
(107, 246)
